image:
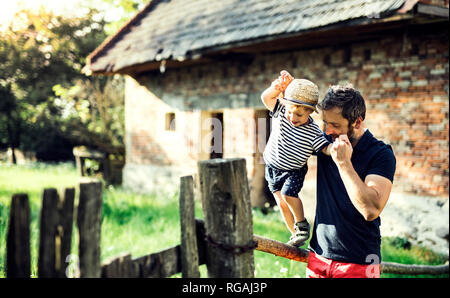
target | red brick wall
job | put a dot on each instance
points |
(403, 77)
(406, 88)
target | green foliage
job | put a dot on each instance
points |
(8, 117)
(92, 112)
(41, 57)
(128, 9)
(400, 242)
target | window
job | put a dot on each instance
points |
(327, 60)
(170, 121)
(347, 55)
(367, 55)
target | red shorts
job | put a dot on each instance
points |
(320, 267)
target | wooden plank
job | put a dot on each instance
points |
(120, 267)
(48, 241)
(18, 238)
(189, 250)
(65, 227)
(168, 261)
(228, 220)
(161, 264)
(89, 216)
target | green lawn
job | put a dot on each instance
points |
(142, 224)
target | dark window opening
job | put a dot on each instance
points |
(327, 60)
(367, 55)
(217, 139)
(348, 55)
(170, 122)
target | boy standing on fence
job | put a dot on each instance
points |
(294, 137)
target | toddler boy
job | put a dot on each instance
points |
(294, 137)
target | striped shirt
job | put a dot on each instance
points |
(289, 147)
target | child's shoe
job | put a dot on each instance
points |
(301, 233)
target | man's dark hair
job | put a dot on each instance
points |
(347, 98)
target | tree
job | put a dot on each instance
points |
(47, 104)
(128, 9)
(38, 52)
(8, 119)
(93, 113)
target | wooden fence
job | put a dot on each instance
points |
(224, 241)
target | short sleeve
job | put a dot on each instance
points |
(319, 141)
(276, 110)
(383, 164)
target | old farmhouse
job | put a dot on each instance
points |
(195, 71)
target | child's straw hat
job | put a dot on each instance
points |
(301, 92)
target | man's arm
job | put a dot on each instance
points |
(369, 196)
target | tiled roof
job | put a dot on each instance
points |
(174, 29)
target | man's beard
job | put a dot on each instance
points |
(350, 134)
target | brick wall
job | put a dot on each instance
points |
(403, 77)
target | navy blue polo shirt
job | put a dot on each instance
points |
(340, 232)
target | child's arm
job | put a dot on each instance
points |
(269, 96)
(326, 150)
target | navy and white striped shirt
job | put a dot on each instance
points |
(289, 147)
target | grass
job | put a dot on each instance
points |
(145, 223)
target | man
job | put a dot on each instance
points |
(353, 186)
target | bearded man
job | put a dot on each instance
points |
(353, 186)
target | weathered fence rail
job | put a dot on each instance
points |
(224, 241)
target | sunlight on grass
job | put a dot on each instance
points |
(137, 223)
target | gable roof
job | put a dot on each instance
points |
(178, 29)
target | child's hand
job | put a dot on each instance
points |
(277, 85)
(286, 78)
(283, 81)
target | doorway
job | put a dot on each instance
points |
(217, 135)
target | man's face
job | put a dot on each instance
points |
(336, 124)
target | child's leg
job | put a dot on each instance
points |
(285, 211)
(291, 188)
(295, 206)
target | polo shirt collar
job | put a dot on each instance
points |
(364, 141)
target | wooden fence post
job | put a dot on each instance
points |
(65, 228)
(89, 217)
(55, 232)
(18, 239)
(189, 250)
(48, 234)
(228, 219)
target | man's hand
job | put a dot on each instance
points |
(341, 150)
